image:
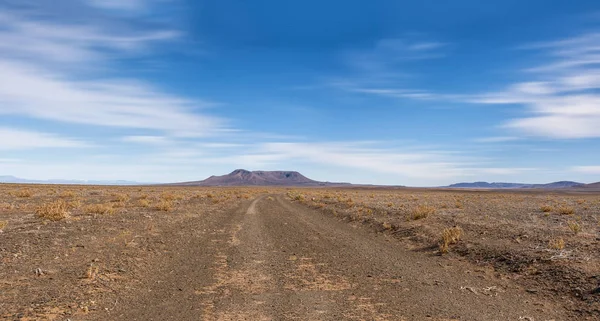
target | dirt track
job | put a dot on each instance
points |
(275, 260)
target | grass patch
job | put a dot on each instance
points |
(164, 205)
(54, 211)
(450, 236)
(421, 212)
(100, 209)
(566, 210)
(574, 226)
(546, 208)
(24, 193)
(556, 244)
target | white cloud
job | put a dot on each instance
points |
(16, 139)
(45, 75)
(562, 101)
(119, 4)
(496, 139)
(594, 170)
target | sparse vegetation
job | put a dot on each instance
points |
(100, 209)
(546, 208)
(574, 226)
(3, 224)
(164, 205)
(450, 236)
(556, 244)
(54, 211)
(421, 212)
(566, 210)
(24, 193)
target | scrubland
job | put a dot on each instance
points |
(549, 242)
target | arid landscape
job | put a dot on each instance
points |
(264, 253)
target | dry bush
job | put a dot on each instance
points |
(54, 211)
(450, 236)
(170, 197)
(574, 226)
(144, 203)
(99, 209)
(164, 205)
(26, 192)
(144, 196)
(546, 208)
(422, 211)
(91, 272)
(74, 204)
(67, 194)
(121, 197)
(7, 206)
(3, 224)
(556, 244)
(566, 210)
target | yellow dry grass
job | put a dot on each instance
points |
(54, 211)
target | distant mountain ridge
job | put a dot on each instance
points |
(242, 177)
(499, 185)
(17, 180)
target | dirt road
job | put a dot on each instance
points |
(276, 260)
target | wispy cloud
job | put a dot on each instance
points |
(561, 99)
(594, 170)
(15, 139)
(46, 75)
(496, 139)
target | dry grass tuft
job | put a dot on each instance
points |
(100, 209)
(566, 210)
(450, 236)
(54, 211)
(546, 208)
(422, 211)
(164, 205)
(574, 226)
(144, 203)
(67, 194)
(3, 224)
(91, 272)
(24, 193)
(557, 244)
(121, 197)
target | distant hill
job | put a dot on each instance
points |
(17, 180)
(591, 186)
(242, 177)
(496, 185)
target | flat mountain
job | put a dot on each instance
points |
(498, 185)
(17, 180)
(242, 177)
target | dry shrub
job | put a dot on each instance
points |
(91, 272)
(3, 224)
(450, 236)
(99, 209)
(170, 197)
(422, 211)
(74, 204)
(7, 206)
(121, 197)
(566, 210)
(546, 208)
(26, 192)
(67, 194)
(556, 244)
(164, 205)
(574, 226)
(144, 196)
(54, 211)
(144, 203)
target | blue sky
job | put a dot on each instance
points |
(414, 93)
